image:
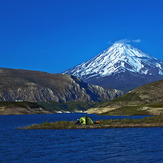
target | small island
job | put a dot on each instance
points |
(152, 121)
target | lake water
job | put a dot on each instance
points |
(119, 145)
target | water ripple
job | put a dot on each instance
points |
(91, 145)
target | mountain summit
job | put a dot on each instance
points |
(121, 66)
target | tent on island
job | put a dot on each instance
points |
(85, 120)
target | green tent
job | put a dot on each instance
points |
(86, 120)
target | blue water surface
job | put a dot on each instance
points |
(81, 145)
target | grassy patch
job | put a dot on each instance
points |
(122, 100)
(152, 121)
(128, 110)
(157, 105)
(52, 125)
(134, 109)
(146, 120)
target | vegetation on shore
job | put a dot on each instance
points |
(152, 121)
(23, 104)
(11, 107)
(67, 106)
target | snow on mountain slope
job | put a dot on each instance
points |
(118, 58)
(121, 66)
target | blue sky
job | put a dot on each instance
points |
(55, 35)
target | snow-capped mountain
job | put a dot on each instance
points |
(121, 66)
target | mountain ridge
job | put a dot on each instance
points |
(37, 86)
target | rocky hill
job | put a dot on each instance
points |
(147, 99)
(34, 86)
